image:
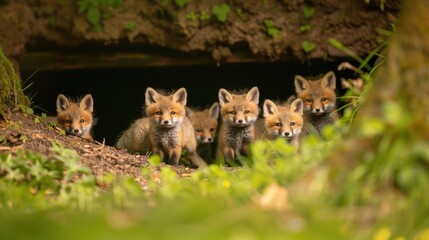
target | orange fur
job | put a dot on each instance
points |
(205, 123)
(239, 112)
(75, 118)
(284, 121)
(170, 130)
(319, 99)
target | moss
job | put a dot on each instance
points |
(11, 93)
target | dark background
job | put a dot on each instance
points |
(119, 93)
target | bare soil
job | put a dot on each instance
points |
(168, 26)
(20, 132)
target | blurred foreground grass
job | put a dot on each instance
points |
(281, 195)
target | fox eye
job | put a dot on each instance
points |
(82, 120)
(232, 112)
(309, 100)
(278, 124)
(211, 129)
(158, 113)
(323, 99)
(247, 111)
(173, 112)
(292, 123)
(199, 130)
(68, 121)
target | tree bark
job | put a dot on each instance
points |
(11, 93)
(399, 97)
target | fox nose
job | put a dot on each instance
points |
(166, 122)
(210, 139)
(287, 134)
(240, 121)
(75, 130)
(317, 109)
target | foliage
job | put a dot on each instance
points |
(97, 10)
(181, 3)
(129, 25)
(221, 12)
(308, 46)
(305, 25)
(271, 30)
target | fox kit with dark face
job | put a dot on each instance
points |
(239, 112)
(284, 121)
(170, 130)
(319, 98)
(205, 126)
(75, 118)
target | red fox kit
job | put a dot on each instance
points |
(239, 113)
(318, 97)
(136, 137)
(284, 121)
(205, 125)
(170, 130)
(76, 117)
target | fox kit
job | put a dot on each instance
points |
(239, 113)
(136, 137)
(75, 118)
(318, 97)
(170, 130)
(205, 126)
(284, 121)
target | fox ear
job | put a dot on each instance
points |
(300, 84)
(329, 80)
(62, 103)
(269, 108)
(190, 114)
(224, 96)
(297, 106)
(253, 95)
(151, 96)
(180, 96)
(87, 103)
(214, 111)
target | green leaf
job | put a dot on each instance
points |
(305, 28)
(308, 46)
(83, 6)
(221, 12)
(308, 11)
(272, 31)
(129, 26)
(181, 3)
(93, 15)
(204, 15)
(268, 23)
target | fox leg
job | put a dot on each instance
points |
(162, 155)
(174, 155)
(196, 159)
(228, 153)
(245, 149)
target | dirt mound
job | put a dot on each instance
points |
(274, 29)
(28, 132)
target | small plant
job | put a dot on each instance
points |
(308, 46)
(181, 3)
(129, 25)
(204, 15)
(271, 30)
(221, 12)
(96, 10)
(305, 25)
(191, 15)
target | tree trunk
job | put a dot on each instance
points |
(398, 100)
(11, 93)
